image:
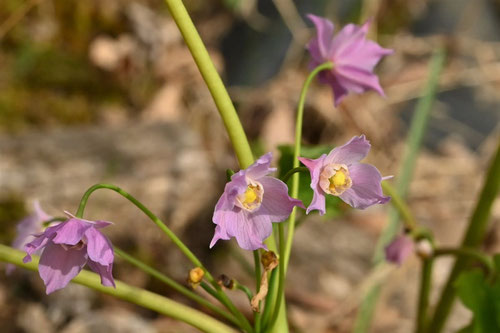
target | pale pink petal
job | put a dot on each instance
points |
(40, 241)
(105, 272)
(227, 222)
(366, 189)
(315, 166)
(399, 249)
(366, 56)
(260, 168)
(99, 247)
(71, 232)
(319, 46)
(349, 38)
(276, 203)
(253, 230)
(357, 80)
(352, 152)
(58, 266)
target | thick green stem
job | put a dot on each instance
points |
(213, 81)
(472, 239)
(423, 301)
(174, 285)
(130, 294)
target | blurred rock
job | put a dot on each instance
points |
(33, 319)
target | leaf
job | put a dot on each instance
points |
(482, 299)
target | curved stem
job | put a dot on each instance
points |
(213, 81)
(187, 252)
(286, 247)
(287, 175)
(174, 285)
(285, 252)
(466, 252)
(130, 294)
(184, 249)
(400, 205)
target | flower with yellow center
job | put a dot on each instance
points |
(252, 198)
(341, 174)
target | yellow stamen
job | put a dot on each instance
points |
(250, 195)
(339, 179)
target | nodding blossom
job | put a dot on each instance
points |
(27, 227)
(339, 173)
(399, 249)
(251, 201)
(67, 247)
(353, 57)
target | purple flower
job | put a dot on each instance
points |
(250, 203)
(339, 173)
(399, 249)
(67, 247)
(353, 57)
(27, 227)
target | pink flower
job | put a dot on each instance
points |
(399, 249)
(353, 57)
(67, 247)
(339, 173)
(250, 203)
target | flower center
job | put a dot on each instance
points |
(334, 179)
(251, 199)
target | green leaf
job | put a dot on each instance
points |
(482, 299)
(333, 204)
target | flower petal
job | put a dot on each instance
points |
(99, 247)
(357, 80)
(58, 266)
(399, 249)
(276, 203)
(366, 189)
(260, 168)
(253, 230)
(40, 241)
(315, 166)
(104, 271)
(319, 46)
(352, 152)
(71, 231)
(349, 38)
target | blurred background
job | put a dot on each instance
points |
(106, 91)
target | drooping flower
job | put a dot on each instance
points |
(353, 57)
(27, 227)
(399, 249)
(67, 247)
(339, 173)
(250, 203)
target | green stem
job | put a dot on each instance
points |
(213, 81)
(423, 301)
(287, 175)
(286, 247)
(398, 202)
(130, 294)
(187, 252)
(222, 297)
(184, 249)
(472, 239)
(174, 285)
(285, 254)
(415, 136)
(258, 270)
(471, 253)
(244, 289)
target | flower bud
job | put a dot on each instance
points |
(424, 248)
(195, 276)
